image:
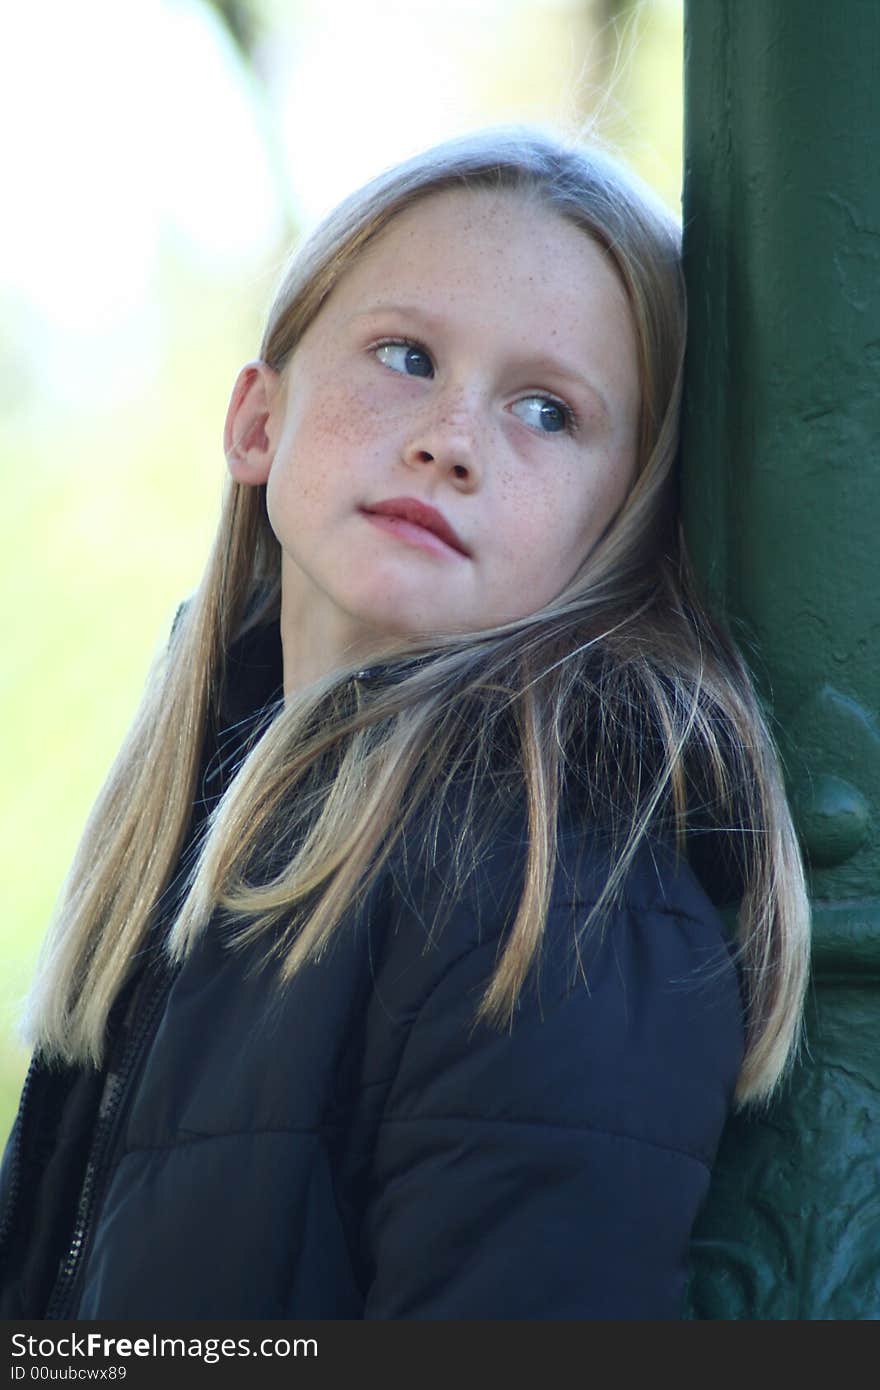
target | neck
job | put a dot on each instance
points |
(317, 638)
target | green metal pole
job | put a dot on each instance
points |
(782, 509)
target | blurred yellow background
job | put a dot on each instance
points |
(161, 159)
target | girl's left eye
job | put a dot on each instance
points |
(544, 413)
(407, 358)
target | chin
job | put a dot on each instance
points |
(395, 623)
(402, 627)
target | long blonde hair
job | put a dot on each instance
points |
(623, 689)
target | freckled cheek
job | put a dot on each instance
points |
(346, 416)
(323, 444)
(545, 519)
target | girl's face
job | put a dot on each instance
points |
(454, 430)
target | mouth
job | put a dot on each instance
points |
(416, 523)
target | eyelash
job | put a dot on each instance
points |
(569, 414)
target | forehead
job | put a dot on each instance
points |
(461, 245)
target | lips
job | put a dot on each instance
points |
(419, 514)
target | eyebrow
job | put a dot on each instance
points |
(542, 362)
(388, 307)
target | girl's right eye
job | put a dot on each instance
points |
(407, 358)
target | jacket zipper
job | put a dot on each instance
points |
(101, 1151)
(106, 1130)
(15, 1157)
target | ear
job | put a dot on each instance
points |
(251, 429)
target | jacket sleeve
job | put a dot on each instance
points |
(555, 1170)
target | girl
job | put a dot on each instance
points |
(389, 980)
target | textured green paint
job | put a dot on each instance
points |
(792, 1229)
(782, 509)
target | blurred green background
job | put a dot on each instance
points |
(161, 159)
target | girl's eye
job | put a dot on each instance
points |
(544, 413)
(408, 358)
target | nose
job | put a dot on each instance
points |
(447, 437)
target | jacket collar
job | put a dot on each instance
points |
(255, 673)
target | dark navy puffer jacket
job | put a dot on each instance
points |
(353, 1147)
